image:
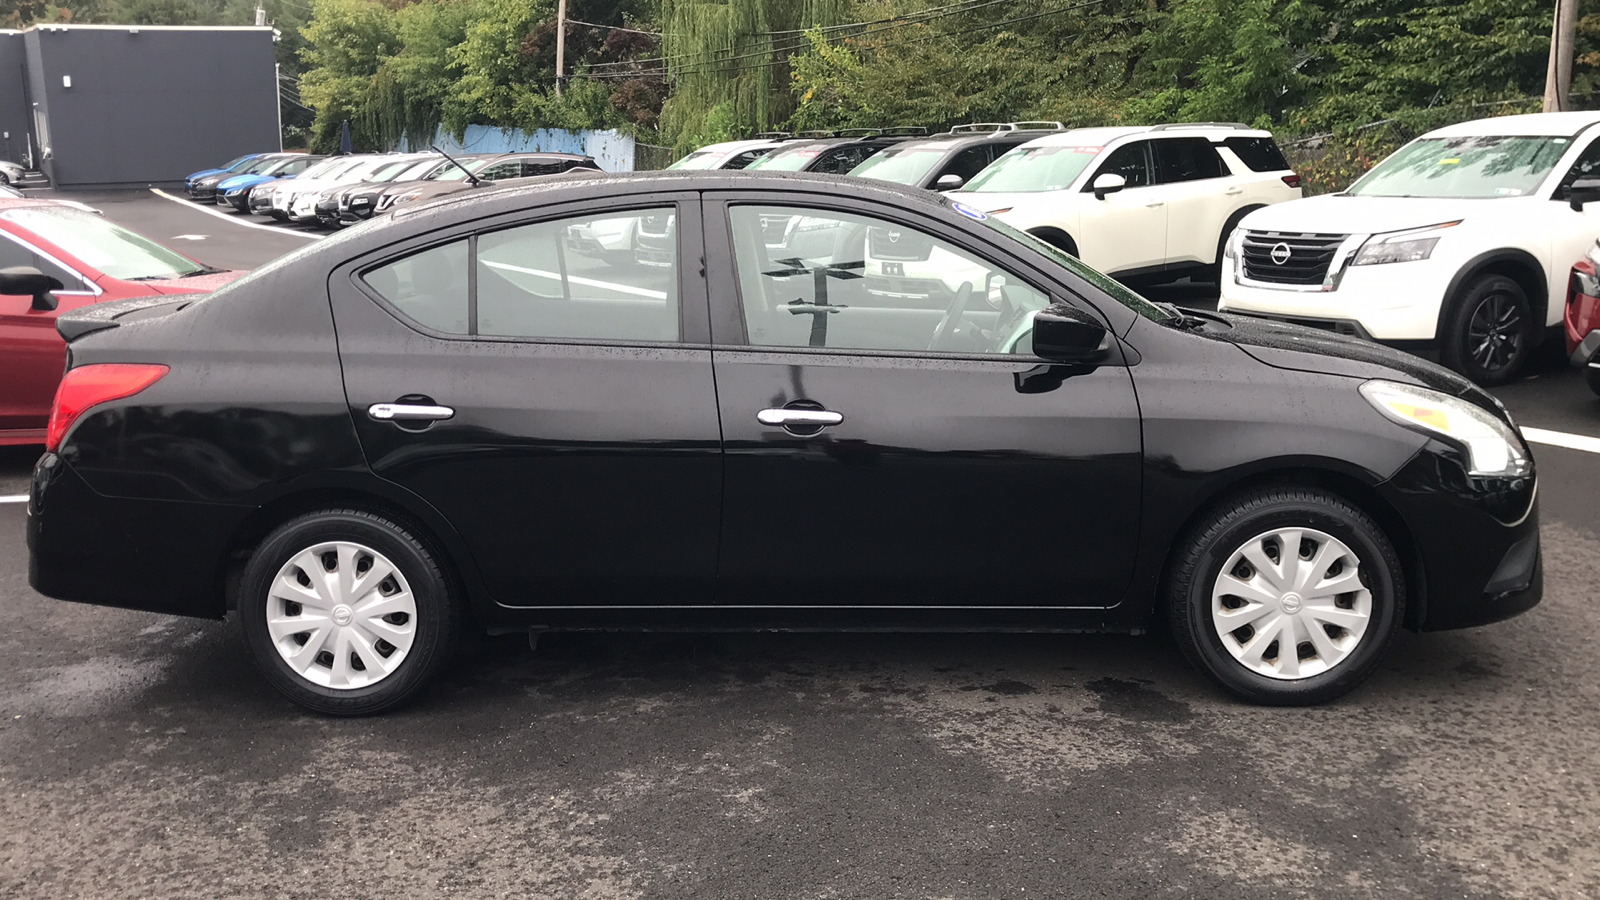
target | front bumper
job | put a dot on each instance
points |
(1473, 542)
(155, 555)
(202, 192)
(1395, 302)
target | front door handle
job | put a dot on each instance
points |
(801, 418)
(408, 412)
(1234, 191)
(1156, 205)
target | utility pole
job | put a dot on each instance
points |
(561, 43)
(1558, 77)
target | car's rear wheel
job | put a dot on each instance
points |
(1488, 333)
(1592, 376)
(346, 612)
(1286, 596)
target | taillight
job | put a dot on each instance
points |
(1292, 180)
(86, 387)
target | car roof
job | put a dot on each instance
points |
(1104, 136)
(1560, 124)
(736, 146)
(585, 182)
(10, 203)
(536, 154)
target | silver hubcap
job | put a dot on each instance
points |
(341, 615)
(1291, 603)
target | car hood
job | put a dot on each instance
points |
(1340, 214)
(1301, 349)
(203, 173)
(990, 202)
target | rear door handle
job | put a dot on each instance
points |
(789, 418)
(1232, 191)
(408, 412)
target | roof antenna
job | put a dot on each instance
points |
(471, 178)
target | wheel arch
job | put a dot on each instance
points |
(1516, 264)
(413, 513)
(1056, 237)
(1325, 476)
(1231, 224)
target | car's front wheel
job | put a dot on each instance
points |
(1488, 331)
(346, 612)
(1286, 596)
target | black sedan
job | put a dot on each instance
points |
(450, 420)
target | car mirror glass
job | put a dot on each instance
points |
(1107, 183)
(1584, 190)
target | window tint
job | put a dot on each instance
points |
(1259, 153)
(1587, 165)
(611, 278)
(14, 254)
(508, 169)
(823, 279)
(428, 287)
(1131, 161)
(969, 162)
(842, 160)
(601, 278)
(745, 158)
(1186, 159)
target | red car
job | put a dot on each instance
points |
(95, 261)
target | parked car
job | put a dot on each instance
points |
(73, 259)
(10, 172)
(9, 192)
(360, 203)
(328, 203)
(1458, 243)
(235, 165)
(235, 191)
(487, 170)
(731, 154)
(833, 152)
(295, 201)
(945, 162)
(475, 421)
(204, 188)
(1581, 320)
(1151, 202)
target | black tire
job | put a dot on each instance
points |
(1231, 526)
(1488, 331)
(1592, 376)
(437, 603)
(4, 178)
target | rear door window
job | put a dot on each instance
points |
(1186, 159)
(1259, 153)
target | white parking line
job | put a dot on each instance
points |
(1562, 439)
(14, 498)
(235, 219)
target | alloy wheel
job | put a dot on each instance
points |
(1494, 333)
(1291, 603)
(341, 615)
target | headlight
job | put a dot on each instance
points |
(1230, 251)
(1492, 447)
(1593, 256)
(1403, 246)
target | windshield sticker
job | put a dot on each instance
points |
(1090, 150)
(1452, 161)
(969, 212)
(1508, 192)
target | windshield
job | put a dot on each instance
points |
(456, 173)
(260, 166)
(324, 167)
(791, 160)
(105, 245)
(388, 172)
(1116, 289)
(1028, 170)
(278, 165)
(902, 165)
(236, 162)
(700, 159)
(417, 169)
(1477, 167)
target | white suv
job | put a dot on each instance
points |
(730, 154)
(1459, 242)
(1136, 202)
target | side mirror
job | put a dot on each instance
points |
(949, 181)
(1584, 190)
(1107, 183)
(1066, 334)
(26, 281)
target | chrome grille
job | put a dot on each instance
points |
(1299, 258)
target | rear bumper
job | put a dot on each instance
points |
(153, 555)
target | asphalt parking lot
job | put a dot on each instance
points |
(141, 755)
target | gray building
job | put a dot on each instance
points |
(124, 105)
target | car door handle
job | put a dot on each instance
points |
(789, 418)
(1155, 205)
(408, 412)
(1233, 191)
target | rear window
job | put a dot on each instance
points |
(1259, 153)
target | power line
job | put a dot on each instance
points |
(571, 21)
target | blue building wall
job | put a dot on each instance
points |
(611, 149)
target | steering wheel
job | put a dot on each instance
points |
(952, 316)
